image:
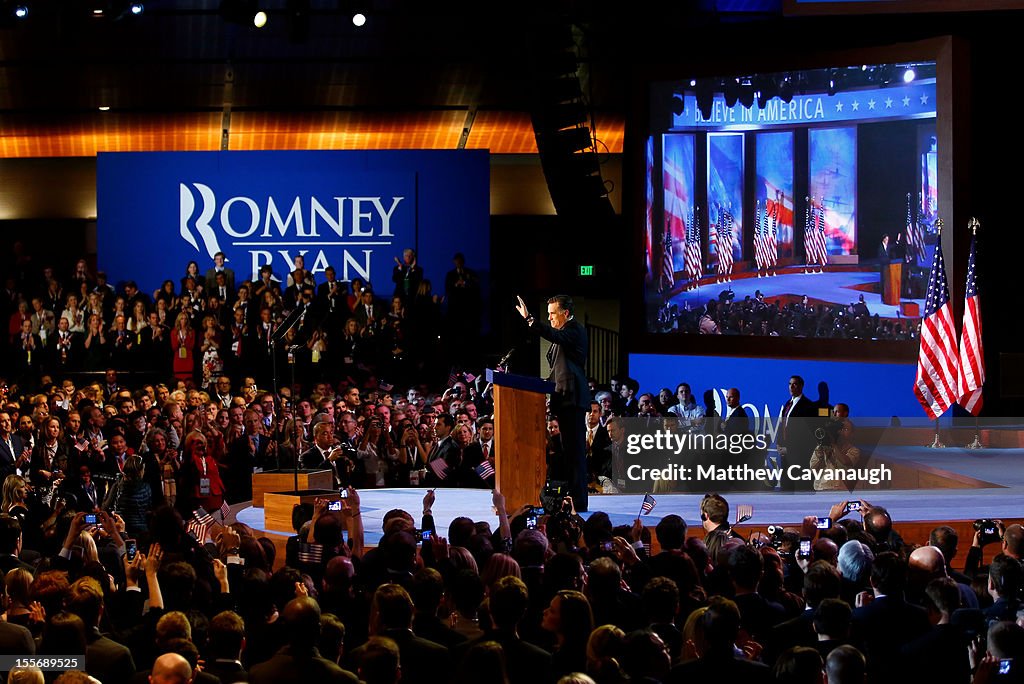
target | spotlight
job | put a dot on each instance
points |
(678, 105)
(693, 82)
(21, 11)
(104, 108)
(786, 89)
(359, 19)
(909, 75)
(137, 8)
(259, 20)
(832, 82)
(705, 99)
(731, 90)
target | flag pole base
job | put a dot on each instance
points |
(937, 443)
(976, 444)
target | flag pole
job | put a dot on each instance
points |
(974, 224)
(937, 443)
(976, 444)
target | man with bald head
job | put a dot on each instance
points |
(171, 668)
(926, 564)
(300, 661)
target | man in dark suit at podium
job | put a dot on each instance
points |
(567, 358)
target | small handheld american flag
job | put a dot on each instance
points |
(439, 467)
(484, 470)
(648, 505)
(200, 524)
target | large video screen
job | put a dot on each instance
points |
(796, 204)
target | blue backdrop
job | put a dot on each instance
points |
(871, 389)
(355, 211)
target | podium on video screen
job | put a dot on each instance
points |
(892, 279)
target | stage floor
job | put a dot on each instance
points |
(835, 286)
(1002, 497)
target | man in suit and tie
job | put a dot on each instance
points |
(218, 267)
(12, 450)
(796, 438)
(567, 358)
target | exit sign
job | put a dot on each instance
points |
(586, 270)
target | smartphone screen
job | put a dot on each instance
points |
(531, 522)
(132, 549)
(824, 523)
(425, 535)
(343, 493)
(90, 518)
(853, 506)
(334, 505)
(805, 548)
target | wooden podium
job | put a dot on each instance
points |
(277, 515)
(284, 480)
(892, 281)
(520, 436)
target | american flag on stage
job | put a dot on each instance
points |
(972, 354)
(648, 505)
(935, 386)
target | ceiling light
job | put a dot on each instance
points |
(259, 20)
(104, 108)
(358, 19)
(137, 8)
(97, 12)
(909, 75)
(21, 11)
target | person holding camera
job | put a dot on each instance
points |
(375, 452)
(834, 453)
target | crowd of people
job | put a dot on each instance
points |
(545, 597)
(756, 316)
(121, 560)
(207, 324)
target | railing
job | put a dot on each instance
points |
(603, 355)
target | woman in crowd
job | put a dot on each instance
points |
(570, 619)
(192, 274)
(15, 497)
(135, 498)
(201, 476)
(75, 315)
(138, 319)
(183, 342)
(96, 348)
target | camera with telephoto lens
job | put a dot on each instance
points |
(775, 534)
(989, 531)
